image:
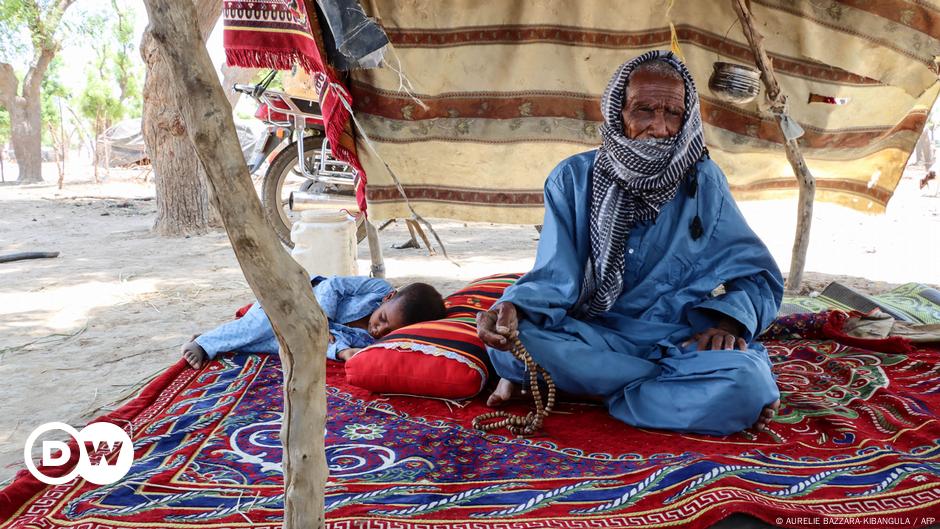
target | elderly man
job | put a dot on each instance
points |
(637, 236)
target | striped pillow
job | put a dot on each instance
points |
(478, 296)
(442, 358)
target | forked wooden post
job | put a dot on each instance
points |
(805, 178)
(279, 283)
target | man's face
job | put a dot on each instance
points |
(654, 108)
(387, 318)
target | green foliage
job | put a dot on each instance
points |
(112, 89)
(27, 26)
(16, 17)
(4, 127)
(98, 101)
(50, 91)
(128, 68)
(276, 84)
(113, 73)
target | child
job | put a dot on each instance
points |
(360, 310)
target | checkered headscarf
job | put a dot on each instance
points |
(631, 181)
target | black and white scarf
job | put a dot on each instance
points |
(631, 181)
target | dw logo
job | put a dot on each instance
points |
(96, 443)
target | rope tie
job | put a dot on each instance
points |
(519, 425)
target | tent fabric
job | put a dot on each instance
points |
(127, 141)
(509, 89)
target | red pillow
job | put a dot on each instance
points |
(442, 358)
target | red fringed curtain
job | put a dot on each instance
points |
(276, 35)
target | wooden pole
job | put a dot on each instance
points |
(279, 283)
(375, 250)
(96, 156)
(62, 143)
(804, 177)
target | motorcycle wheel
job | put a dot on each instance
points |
(284, 177)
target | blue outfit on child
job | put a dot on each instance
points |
(343, 300)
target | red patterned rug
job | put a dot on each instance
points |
(856, 443)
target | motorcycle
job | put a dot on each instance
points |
(295, 132)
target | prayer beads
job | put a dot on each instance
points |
(519, 425)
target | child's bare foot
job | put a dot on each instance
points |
(505, 391)
(194, 354)
(763, 422)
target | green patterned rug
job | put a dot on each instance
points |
(913, 302)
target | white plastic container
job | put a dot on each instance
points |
(325, 243)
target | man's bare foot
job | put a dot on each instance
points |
(763, 422)
(505, 391)
(194, 354)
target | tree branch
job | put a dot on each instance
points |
(280, 284)
(55, 16)
(44, 38)
(33, 79)
(756, 41)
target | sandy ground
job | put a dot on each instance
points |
(80, 333)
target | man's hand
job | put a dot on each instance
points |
(497, 326)
(726, 335)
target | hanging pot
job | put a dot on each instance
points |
(734, 83)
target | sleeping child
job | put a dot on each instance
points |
(360, 310)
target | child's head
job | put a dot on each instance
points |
(414, 303)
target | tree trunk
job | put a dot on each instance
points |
(24, 107)
(281, 285)
(26, 137)
(182, 196)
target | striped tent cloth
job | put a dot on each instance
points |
(512, 88)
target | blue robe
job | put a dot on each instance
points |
(632, 355)
(343, 300)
